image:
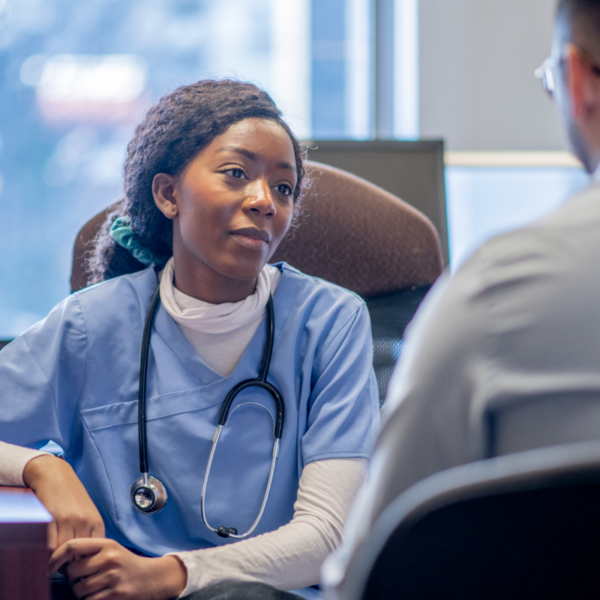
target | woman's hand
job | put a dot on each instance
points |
(75, 515)
(99, 569)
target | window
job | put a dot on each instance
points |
(76, 77)
(489, 193)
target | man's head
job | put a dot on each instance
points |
(576, 71)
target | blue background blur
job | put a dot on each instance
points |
(62, 146)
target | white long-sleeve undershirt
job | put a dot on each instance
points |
(219, 333)
(290, 557)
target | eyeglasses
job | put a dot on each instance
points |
(546, 72)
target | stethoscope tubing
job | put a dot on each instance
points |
(265, 497)
(260, 382)
(143, 446)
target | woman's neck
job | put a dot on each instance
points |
(211, 286)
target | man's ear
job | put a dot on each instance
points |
(165, 195)
(583, 86)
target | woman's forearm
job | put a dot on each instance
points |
(57, 486)
(290, 557)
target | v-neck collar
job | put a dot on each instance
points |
(249, 364)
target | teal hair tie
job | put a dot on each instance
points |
(121, 232)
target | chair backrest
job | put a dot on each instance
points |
(411, 170)
(356, 235)
(519, 526)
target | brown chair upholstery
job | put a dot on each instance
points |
(361, 237)
(356, 235)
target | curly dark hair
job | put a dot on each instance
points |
(170, 136)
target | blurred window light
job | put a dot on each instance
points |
(113, 78)
(359, 70)
(489, 193)
(32, 69)
(84, 88)
(4, 12)
(329, 33)
(406, 67)
(290, 68)
(80, 76)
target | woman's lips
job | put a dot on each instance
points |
(249, 241)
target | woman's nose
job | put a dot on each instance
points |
(260, 198)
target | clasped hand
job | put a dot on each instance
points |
(97, 567)
(100, 569)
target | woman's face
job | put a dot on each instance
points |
(230, 207)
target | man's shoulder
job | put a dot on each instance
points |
(534, 272)
(566, 237)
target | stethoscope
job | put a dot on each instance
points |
(148, 494)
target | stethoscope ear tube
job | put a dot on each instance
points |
(261, 380)
(265, 385)
(148, 494)
(232, 531)
(143, 378)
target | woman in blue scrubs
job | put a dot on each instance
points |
(212, 182)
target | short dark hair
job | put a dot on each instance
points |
(170, 136)
(583, 18)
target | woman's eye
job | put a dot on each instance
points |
(284, 189)
(237, 173)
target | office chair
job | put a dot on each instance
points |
(524, 525)
(356, 235)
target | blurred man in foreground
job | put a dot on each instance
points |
(505, 356)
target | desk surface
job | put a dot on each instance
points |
(19, 505)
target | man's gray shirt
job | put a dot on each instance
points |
(502, 357)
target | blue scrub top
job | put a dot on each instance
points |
(73, 378)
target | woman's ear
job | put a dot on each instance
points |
(165, 196)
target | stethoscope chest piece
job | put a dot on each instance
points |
(148, 495)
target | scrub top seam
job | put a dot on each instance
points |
(54, 399)
(156, 330)
(39, 368)
(343, 328)
(280, 325)
(87, 355)
(332, 455)
(112, 492)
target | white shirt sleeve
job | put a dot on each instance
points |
(13, 460)
(290, 557)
